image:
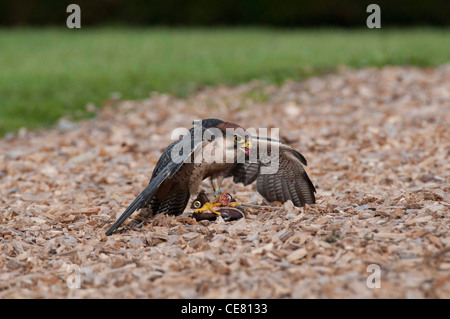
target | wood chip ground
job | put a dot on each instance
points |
(377, 143)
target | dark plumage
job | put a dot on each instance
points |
(179, 172)
(290, 182)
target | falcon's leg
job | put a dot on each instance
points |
(222, 198)
(215, 186)
(215, 182)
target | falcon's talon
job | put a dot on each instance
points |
(234, 204)
(208, 207)
(225, 211)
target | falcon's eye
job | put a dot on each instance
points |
(238, 139)
(197, 204)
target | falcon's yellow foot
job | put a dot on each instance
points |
(208, 207)
(235, 204)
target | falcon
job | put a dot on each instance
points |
(216, 149)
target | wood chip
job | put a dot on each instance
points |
(296, 255)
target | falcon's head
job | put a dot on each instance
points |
(227, 136)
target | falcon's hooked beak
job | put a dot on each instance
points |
(243, 143)
(246, 148)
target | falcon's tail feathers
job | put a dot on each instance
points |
(140, 201)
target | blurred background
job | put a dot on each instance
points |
(226, 13)
(128, 49)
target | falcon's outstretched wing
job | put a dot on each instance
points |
(288, 182)
(164, 169)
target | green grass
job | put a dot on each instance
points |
(47, 73)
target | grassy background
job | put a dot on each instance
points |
(47, 73)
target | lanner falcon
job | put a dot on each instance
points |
(217, 149)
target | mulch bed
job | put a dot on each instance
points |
(377, 143)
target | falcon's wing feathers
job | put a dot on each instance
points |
(164, 169)
(288, 182)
